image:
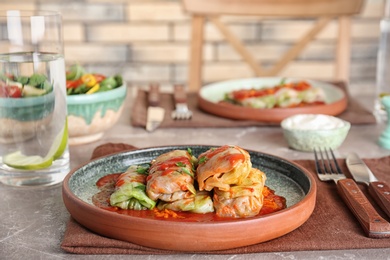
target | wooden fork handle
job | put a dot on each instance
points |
(380, 191)
(154, 95)
(373, 224)
(179, 94)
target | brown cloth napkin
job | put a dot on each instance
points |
(331, 226)
(355, 113)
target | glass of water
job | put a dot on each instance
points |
(383, 65)
(33, 111)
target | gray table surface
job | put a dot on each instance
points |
(33, 220)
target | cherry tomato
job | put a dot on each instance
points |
(10, 91)
(99, 77)
(3, 91)
(14, 92)
(73, 83)
(301, 86)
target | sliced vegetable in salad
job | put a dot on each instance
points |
(78, 81)
(13, 86)
(283, 95)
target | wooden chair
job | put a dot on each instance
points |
(323, 11)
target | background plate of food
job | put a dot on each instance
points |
(113, 197)
(271, 99)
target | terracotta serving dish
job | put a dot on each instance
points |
(288, 179)
(209, 98)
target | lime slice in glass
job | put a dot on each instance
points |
(59, 145)
(21, 161)
(35, 162)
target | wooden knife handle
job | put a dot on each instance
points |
(154, 95)
(380, 191)
(179, 94)
(373, 224)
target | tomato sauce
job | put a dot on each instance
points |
(106, 184)
(239, 96)
(170, 165)
(212, 152)
(249, 93)
(233, 159)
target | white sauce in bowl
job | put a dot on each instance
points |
(312, 122)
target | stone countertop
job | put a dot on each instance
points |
(33, 220)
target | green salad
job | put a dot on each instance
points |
(78, 81)
(12, 86)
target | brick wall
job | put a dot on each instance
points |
(148, 40)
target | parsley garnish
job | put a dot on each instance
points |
(142, 169)
(202, 160)
(186, 171)
(183, 168)
(180, 164)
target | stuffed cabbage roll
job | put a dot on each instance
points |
(171, 176)
(223, 166)
(287, 97)
(241, 201)
(313, 95)
(200, 203)
(268, 101)
(130, 190)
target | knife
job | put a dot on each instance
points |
(155, 113)
(379, 190)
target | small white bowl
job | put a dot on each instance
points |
(304, 132)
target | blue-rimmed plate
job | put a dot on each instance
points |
(288, 179)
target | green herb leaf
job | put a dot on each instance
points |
(180, 164)
(140, 187)
(202, 160)
(37, 80)
(142, 170)
(283, 81)
(186, 171)
(22, 79)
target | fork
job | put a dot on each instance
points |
(328, 169)
(181, 112)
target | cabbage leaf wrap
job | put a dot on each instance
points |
(223, 166)
(241, 201)
(171, 176)
(130, 190)
(200, 203)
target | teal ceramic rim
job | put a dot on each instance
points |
(386, 100)
(97, 97)
(26, 102)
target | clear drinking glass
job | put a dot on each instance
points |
(383, 65)
(33, 111)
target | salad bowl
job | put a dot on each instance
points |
(95, 103)
(89, 116)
